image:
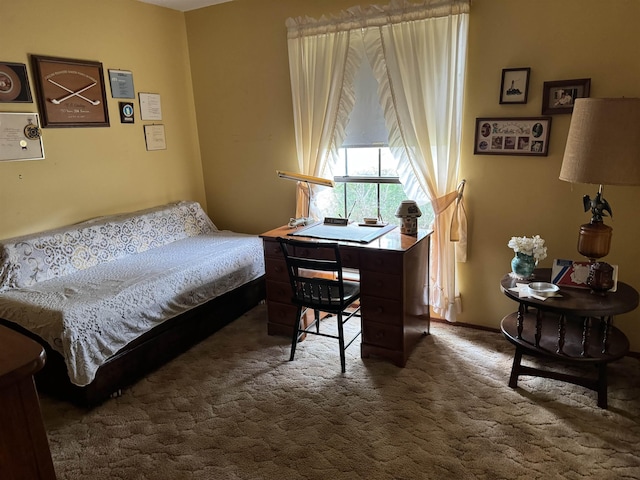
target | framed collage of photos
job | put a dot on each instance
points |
(512, 136)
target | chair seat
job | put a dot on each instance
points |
(324, 302)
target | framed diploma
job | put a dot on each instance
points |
(71, 93)
(20, 137)
(150, 106)
(154, 137)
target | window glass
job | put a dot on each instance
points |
(357, 200)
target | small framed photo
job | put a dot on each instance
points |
(512, 136)
(71, 93)
(559, 96)
(14, 83)
(514, 87)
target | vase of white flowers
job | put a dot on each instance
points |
(528, 252)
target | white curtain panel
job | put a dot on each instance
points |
(418, 55)
(420, 68)
(322, 69)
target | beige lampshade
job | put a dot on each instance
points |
(603, 145)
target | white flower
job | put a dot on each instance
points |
(529, 246)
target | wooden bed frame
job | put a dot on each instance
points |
(148, 352)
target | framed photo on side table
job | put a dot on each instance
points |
(71, 93)
(559, 96)
(514, 87)
(512, 136)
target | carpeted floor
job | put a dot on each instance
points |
(233, 407)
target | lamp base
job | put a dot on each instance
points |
(594, 240)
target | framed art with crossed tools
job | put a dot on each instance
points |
(70, 93)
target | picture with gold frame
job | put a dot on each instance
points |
(70, 93)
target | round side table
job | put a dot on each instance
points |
(575, 327)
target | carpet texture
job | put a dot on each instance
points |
(233, 407)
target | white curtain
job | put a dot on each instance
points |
(420, 66)
(418, 55)
(322, 67)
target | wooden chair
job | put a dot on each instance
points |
(317, 283)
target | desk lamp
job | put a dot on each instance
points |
(603, 148)
(308, 179)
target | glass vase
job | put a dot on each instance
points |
(523, 265)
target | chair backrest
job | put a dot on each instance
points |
(315, 272)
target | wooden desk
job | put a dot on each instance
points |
(24, 448)
(576, 328)
(393, 271)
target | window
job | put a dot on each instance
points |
(367, 185)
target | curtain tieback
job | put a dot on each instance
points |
(458, 229)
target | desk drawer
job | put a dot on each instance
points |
(382, 335)
(381, 310)
(276, 269)
(278, 291)
(282, 314)
(380, 261)
(376, 284)
(272, 248)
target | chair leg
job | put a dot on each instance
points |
(296, 332)
(316, 314)
(341, 341)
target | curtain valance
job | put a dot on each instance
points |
(374, 16)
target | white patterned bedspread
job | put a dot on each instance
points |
(90, 314)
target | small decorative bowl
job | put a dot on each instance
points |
(543, 289)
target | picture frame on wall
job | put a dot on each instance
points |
(14, 83)
(514, 87)
(70, 93)
(559, 96)
(512, 136)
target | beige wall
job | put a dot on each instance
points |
(237, 56)
(242, 92)
(95, 171)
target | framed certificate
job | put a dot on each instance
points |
(71, 93)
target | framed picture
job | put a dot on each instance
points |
(70, 93)
(14, 83)
(20, 137)
(512, 136)
(514, 87)
(559, 96)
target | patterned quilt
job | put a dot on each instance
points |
(90, 289)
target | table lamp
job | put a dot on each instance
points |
(603, 148)
(308, 179)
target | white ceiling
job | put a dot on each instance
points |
(184, 5)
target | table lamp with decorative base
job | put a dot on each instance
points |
(602, 148)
